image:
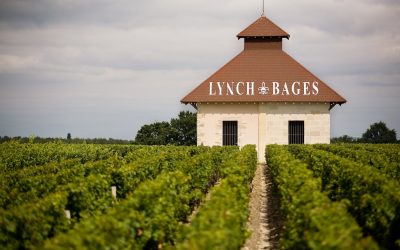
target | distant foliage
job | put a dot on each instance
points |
(379, 133)
(69, 141)
(179, 131)
(376, 133)
(344, 139)
(184, 129)
(157, 133)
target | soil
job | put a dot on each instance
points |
(265, 219)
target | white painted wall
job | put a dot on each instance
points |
(211, 116)
(262, 123)
(316, 119)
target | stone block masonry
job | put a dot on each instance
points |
(263, 123)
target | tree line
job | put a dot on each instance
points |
(182, 131)
(179, 131)
(37, 139)
(376, 133)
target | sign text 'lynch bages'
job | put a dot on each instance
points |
(263, 88)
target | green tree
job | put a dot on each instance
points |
(379, 133)
(179, 131)
(184, 129)
(157, 133)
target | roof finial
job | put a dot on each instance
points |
(263, 10)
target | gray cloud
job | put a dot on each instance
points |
(104, 68)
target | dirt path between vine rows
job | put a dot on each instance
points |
(265, 220)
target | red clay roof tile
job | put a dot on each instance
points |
(264, 64)
(263, 27)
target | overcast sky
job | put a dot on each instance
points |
(104, 68)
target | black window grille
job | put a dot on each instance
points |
(229, 133)
(296, 132)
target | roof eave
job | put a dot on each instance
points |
(333, 104)
(287, 36)
(194, 104)
(263, 101)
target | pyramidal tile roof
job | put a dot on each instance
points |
(263, 72)
(263, 27)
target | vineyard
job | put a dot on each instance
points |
(82, 196)
(338, 196)
(58, 196)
